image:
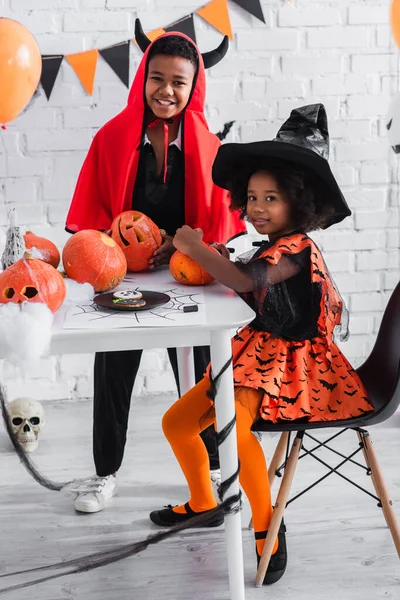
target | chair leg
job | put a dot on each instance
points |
(280, 506)
(380, 486)
(276, 461)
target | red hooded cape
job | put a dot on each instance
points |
(106, 181)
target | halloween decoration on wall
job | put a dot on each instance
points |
(15, 246)
(393, 125)
(215, 13)
(185, 270)
(226, 129)
(91, 256)
(27, 420)
(20, 68)
(138, 237)
(47, 251)
(32, 280)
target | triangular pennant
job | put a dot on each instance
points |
(152, 35)
(185, 25)
(84, 65)
(50, 67)
(216, 13)
(253, 7)
(117, 57)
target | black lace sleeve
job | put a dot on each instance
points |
(265, 274)
(284, 299)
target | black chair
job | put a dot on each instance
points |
(242, 242)
(380, 374)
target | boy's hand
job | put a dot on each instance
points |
(163, 254)
(223, 250)
(186, 237)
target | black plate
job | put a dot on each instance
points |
(152, 299)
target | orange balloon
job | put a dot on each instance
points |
(20, 68)
(395, 20)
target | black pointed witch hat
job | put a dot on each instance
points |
(210, 59)
(302, 139)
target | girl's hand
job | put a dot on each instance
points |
(186, 238)
(223, 250)
(163, 254)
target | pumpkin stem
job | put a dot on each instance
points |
(27, 255)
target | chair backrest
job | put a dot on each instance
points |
(244, 242)
(380, 373)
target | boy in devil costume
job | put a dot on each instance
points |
(155, 157)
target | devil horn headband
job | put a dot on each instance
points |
(210, 59)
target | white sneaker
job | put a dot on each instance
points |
(216, 483)
(94, 493)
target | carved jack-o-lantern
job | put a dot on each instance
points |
(138, 237)
(32, 280)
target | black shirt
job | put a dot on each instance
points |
(163, 202)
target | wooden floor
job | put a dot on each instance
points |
(339, 546)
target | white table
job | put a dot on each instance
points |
(225, 311)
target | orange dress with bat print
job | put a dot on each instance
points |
(288, 351)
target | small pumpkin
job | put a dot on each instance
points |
(48, 250)
(91, 256)
(185, 270)
(32, 280)
(138, 236)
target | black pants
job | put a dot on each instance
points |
(114, 378)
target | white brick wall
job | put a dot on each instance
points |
(340, 52)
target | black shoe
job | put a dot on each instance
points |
(277, 564)
(167, 517)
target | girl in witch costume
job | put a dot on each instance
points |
(156, 156)
(286, 364)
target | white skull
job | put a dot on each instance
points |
(27, 419)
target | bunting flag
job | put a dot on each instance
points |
(216, 14)
(152, 35)
(185, 26)
(253, 7)
(117, 57)
(84, 65)
(50, 67)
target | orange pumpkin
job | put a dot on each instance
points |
(185, 270)
(93, 257)
(138, 237)
(48, 250)
(32, 280)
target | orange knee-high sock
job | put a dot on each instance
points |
(253, 474)
(182, 425)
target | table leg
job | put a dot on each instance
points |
(221, 350)
(185, 369)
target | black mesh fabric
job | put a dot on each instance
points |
(291, 290)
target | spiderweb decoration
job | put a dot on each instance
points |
(90, 315)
